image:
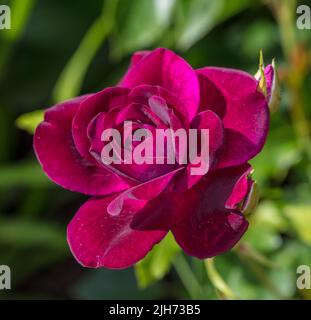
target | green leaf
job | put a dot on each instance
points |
(30, 121)
(300, 216)
(270, 217)
(105, 284)
(197, 17)
(71, 79)
(157, 263)
(282, 151)
(23, 174)
(263, 235)
(25, 234)
(231, 8)
(29, 246)
(143, 24)
(264, 226)
(20, 11)
(261, 34)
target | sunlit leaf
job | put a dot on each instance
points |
(27, 174)
(300, 216)
(142, 25)
(71, 79)
(270, 216)
(20, 11)
(282, 151)
(29, 121)
(262, 238)
(197, 17)
(157, 263)
(25, 234)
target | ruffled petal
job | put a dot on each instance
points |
(100, 102)
(137, 56)
(142, 94)
(205, 225)
(204, 120)
(234, 96)
(164, 68)
(60, 160)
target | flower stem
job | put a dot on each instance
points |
(218, 282)
(187, 277)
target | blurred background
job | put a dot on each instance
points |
(58, 49)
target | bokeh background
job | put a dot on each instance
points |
(57, 49)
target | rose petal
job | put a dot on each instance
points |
(141, 193)
(164, 68)
(100, 102)
(138, 55)
(205, 227)
(141, 94)
(98, 239)
(233, 94)
(240, 191)
(55, 150)
(137, 172)
(204, 120)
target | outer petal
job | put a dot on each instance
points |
(56, 152)
(234, 96)
(164, 68)
(98, 239)
(240, 191)
(137, 56)
(205, 226)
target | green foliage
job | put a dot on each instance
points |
(158, 262)
(198, 17)
(20, 13)
(112, 284)
(22, 174)
(29, 121)
(25, 234)
(142, 25)
(70, 80)
(300, 218)
(44, 60)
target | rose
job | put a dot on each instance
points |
(135, 205)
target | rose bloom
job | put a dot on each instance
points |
(133, 207)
